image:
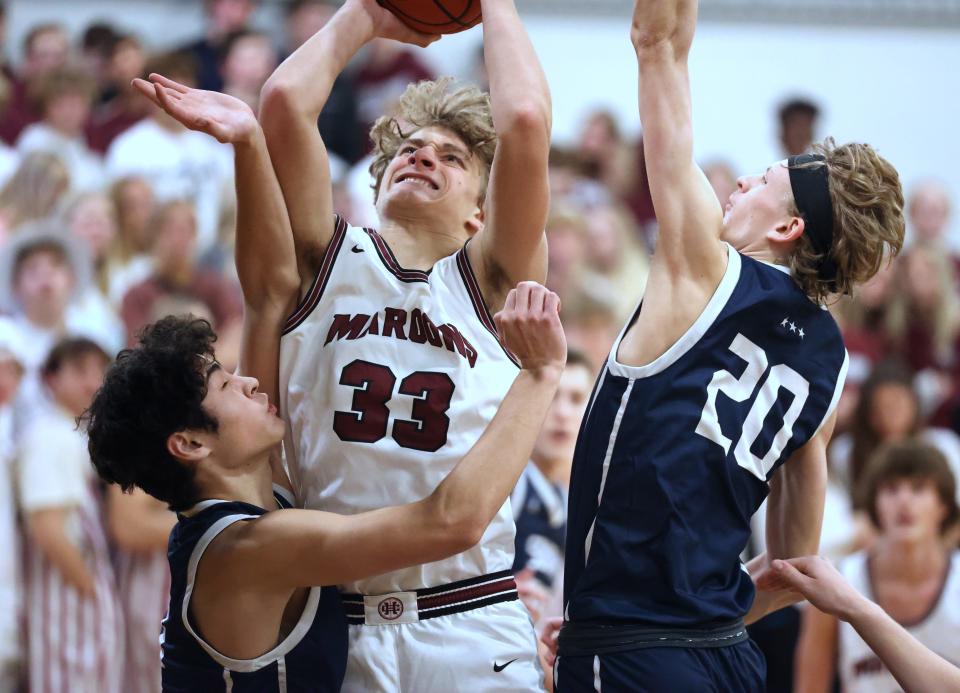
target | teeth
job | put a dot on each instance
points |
(416, 181)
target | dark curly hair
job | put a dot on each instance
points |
(150, 392)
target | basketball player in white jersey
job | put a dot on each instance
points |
(169, 420)
(910, 495)
(390, 364)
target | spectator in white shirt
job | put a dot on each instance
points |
(12, 357)
(64, 99)
(179, 163)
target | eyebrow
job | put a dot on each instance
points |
(448, 147)
(211, 369)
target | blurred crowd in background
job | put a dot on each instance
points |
(113, 215)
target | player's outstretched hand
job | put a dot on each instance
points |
(817, 580)
(529, 325)
(389, 27)
(227, 118)
(549, 635)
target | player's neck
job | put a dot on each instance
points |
(910, 561)
(250, 483)
(419, 244)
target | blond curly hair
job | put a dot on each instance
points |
(464, 110)
(868, 223)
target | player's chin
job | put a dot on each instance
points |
(278, 428)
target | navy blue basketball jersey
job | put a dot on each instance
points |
(673, 457)
(312, 657)
(540, 513)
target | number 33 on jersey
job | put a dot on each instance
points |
(387, 377)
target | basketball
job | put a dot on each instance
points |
(435, 16)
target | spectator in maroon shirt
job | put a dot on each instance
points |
(923, 315)
(386, 70)
(124, 108)
(176, 278)
(46, 48)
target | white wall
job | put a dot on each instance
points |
(897, 89)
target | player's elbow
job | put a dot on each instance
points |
(279, 102)
(460, 528)
(528, 121)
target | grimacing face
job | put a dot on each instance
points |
(760, 204)
(433, 171)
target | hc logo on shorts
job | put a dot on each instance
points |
(390, 608)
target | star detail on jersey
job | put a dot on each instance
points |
(789, 324)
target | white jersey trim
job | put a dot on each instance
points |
(278, 652)
(837, 391)
(624, 401)
(693, 334)
(312, 298)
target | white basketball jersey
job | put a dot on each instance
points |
(388, 376)
(861, 671)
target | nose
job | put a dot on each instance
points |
(250, 386)
(424, 156)
(743, 183)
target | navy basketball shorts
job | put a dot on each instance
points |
(737, 667)
(630, 659)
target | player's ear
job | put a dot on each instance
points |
(188, 446)
(477, 221)
(789, 231)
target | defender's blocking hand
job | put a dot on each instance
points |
(817, 580)
(224, 117)
(529, 325)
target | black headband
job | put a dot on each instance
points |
(811, 193)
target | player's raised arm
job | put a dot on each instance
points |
(511, 247)
(291, 102)
(264, 248)
(300, 547)
(688, 212)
